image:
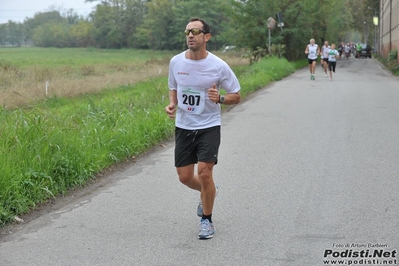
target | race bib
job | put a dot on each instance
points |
(191, 99)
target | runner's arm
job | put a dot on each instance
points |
(232, 98)
(171, 108)
(229, 98)
(173, 97)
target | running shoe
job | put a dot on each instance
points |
(325, 75)
(200, 210)
(206, 229)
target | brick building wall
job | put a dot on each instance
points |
(389, 26)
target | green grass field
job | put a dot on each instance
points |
(26, 57)
(56, 144)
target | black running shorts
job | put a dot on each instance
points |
(310, 61)
(332, 65)
(193, 146)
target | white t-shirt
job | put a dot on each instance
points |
(324, 51)
(332, 55)
(312, 51)
(192, 79)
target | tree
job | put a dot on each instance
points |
(155, 31)
(250, 19)
(81, 34)
(52, 35)
(71, 16)
(303, 19)
(39, 19)
(15, 33)
(212, 11)
(166, 20)
(115, 21)
(3, 34)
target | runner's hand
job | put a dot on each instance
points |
(171, 110)
(213, 94)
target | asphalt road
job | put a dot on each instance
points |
(308, 171)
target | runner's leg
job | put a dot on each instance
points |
(208, 190)
(314, 67)
(188, 178)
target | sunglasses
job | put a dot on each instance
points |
(194, 31)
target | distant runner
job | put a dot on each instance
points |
(324, 55)
(313, 51)
(332, 59)
(347, 50)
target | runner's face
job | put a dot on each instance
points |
(196, 42)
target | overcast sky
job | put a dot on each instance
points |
(18, 10)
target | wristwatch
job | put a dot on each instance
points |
(221, 98)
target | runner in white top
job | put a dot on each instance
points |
(313, 51)
(324, 55)
(347, 51)
(332, 59)
(195, 79)
(191, 79)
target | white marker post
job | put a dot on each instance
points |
(47, 83)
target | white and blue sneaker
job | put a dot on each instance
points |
(199, 207)
(206, 229)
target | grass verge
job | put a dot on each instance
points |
(58, 144)
(391, 62)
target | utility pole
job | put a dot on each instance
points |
(375, 22)
(365, 32)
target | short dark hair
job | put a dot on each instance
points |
(205, 27)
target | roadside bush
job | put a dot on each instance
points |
(393, 55)
(393, 63)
